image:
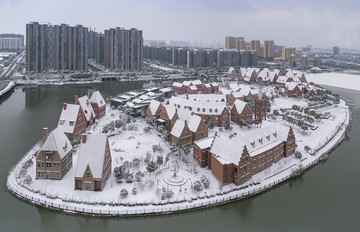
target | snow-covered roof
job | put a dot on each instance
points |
(210, 108)
(264, 74)
(229, 151)
(164, 90)
(178, 128)
(243, 71)
(214, 84)
(289, 73)
(177, 84)
(207, 97)
(205, 142)
(272, 76)
(92, 154)
(243, 91)
(57, 141)
(207, 85)
(170, 109)
(68, 118)
(194, 122)
(154, 105)
(183, 114)
(192, 87)
(240, 105)
(86, 107)
(291, 85)
(195, 82)
(231, 69)
(98, 99)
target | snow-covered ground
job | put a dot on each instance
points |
(155, 192)
(342, 80)
(161, 67)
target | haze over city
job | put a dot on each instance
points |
(322, 24)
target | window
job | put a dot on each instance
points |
(88, 174)
(38, 173)
(246, 158)
(61, 122)
(58, 164)
(254, 171)
(38, 163)
(71, 123)
(235, 170)
(42, 164)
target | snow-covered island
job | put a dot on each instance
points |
(204, 147)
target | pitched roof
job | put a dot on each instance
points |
(207, 97)
(291, 85)
(57, 141)
(92, 154)
(231, 69)
(229, 151)
(177, 84)
(193, 87)
(170, 109)
(86, 107)
(68, 118)
(240, 105)
(178, 128)
(210, 108)
(154, 105)
(98, 99)
(194, 123)
(205, 142)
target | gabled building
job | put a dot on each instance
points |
(72, 121)
(238, 160)
(231, 72)
(98, 104)
(201, 151)
(167, 114)
(179, 88)
(241, 113)
(264, 77)
(293, 90)
(260, 107)
(181, 134)
(87, 109)
(94, 163)
(250, 76)
(54, 159)
(153, 111)
(214, 87)
(192, 89)
(198, 128)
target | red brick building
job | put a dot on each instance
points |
(153, 111)
(241, 111)
(72, 121)
(181, 134)
(238, 160)
(167, 114)
(94, 163)
(54, 159)
(192, 90)
(198, 128)
(293, 90)
(98, 104)
(201, 151)
(179, 88)
(87, 109)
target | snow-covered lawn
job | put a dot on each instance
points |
(342, 80)
(155, 188)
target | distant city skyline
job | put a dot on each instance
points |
(322, 24)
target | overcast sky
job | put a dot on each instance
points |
(320, 23)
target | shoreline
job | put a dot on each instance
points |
(166, 209)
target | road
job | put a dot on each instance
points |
(7, 73)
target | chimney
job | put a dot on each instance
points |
(83, 138)
(185, 122)
(65, 105)
(76, 99)
(90, 93)
(45, 134)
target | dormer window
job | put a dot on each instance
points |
(252, 143)
(65, 147)
(268, 137)
(261, 140)
(203, 109)
(275, 134)
(198, 109)
(71, 123)
(210, 110)
(61, 122)
(216, 110)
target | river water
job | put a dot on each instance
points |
(325, 198)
